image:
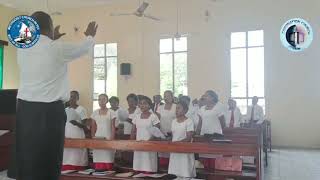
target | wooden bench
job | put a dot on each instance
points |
(177, 147)
(7, 122)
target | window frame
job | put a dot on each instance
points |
(105, 57)
(173, 52)
(247, 47)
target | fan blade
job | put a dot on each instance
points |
(121, 14)
(151, 17)
(142, 8)
(57, 13)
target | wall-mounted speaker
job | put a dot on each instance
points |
(125, 69)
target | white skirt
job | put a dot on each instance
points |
(103, 156)
(182, 165)
(74, 156)
(145, 161)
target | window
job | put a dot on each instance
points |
(105, 71)
(1, 66)
(247, 68)
(173, 65)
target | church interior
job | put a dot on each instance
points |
(172, 50)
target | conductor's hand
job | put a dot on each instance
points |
(57, 34)
(91, 29)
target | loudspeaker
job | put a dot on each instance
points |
(125, 69)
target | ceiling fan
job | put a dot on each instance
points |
(140, 12)
(178, 34)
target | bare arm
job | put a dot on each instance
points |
(198, 131)
(133, 132)
(222, 121)
(113, 128)
(93, 128)
(158, 114)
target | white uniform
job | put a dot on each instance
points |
(166, 118)
(116, 113)
(237, 117)
(145, 161)
(74, 156)
(193, 114)
(257, 113)
(128, 126)
(104, 130)
(210, 119)
(82, 112)
(211, 123)
(182, 165)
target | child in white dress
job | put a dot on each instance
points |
(144, 162)
(166, 114)
(74, 158)
(211, 121)
(181, 164)
(103, 126)
(133, 110)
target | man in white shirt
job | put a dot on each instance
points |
(43, 89)
(233, 115)
(255, 112)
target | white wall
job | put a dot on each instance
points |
(291, 79)
(10, 73)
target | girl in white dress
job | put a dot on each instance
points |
(114, 103)
(74, 158)
(211, 121)
(166, 114)
(182, 165)
(133, 110)
(144, 162)
(103, 126)
(73, 103)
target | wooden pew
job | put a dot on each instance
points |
(178, 147)
(6, 142)
(7, 122)
(259, 132)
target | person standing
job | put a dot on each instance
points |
(43, 89)
(255, 112)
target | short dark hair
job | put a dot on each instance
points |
(76, 92)
(184, 98)
(139, 96)
(170, 92)
(147, 99)
(105, 95)
(184, 105)
(114, 99)
(43, 19)
(214, 95)
(133, 96)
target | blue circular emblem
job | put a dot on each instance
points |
(23, 32)
(296, 34)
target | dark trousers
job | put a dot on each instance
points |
(39, 140)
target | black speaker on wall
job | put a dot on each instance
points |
(125, 69)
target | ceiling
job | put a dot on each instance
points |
(55, 5)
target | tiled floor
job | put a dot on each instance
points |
(284, 164)
(288, 164)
